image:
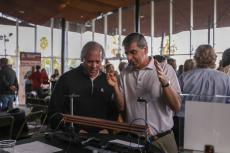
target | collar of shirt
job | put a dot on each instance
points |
(150, 66)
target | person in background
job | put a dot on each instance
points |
(144, 77)
(180, 70)
(122, 66)
(94, 96)
(226, 61)
(109, 68)
(204, 82)
(28, 82)
(44, 77)
(160, 59)
(35, 77)
(189, 64)
(54, 78)
(8, 85)
(172, 62)
(45, 84)
(220, 66)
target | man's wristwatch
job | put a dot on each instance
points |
(165, 85)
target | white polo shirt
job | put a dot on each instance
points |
(145, 83)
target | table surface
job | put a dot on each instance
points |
(99, 141)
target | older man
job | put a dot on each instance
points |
(144, 77)
(95, 95)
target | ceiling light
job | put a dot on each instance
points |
(21, 11)
(87, 24)
(62, 6)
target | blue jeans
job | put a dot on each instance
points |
(6, 102)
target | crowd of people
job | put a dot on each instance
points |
(104, 93)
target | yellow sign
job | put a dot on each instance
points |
(165, 49)
(44, 43)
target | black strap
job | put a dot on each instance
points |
(157, 136)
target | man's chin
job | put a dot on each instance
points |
(133, 65)
(92, 75)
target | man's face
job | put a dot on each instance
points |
(136, 56)
(92, 62)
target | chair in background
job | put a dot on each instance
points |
(7, 121)
(34, 122)
(38, 104)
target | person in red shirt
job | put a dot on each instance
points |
(35, 77)
(44, 77)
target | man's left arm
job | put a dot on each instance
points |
(172, 96)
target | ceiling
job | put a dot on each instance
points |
(40, 11)
(81, 11)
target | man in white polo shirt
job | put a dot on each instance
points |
(157, 84)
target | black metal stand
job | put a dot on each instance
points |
(142, 100)
(73, 135)
(72, 96)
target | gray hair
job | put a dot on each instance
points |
(135, 37)
(89, 46)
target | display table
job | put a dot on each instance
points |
(87, 143)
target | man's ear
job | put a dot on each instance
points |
(146, 50)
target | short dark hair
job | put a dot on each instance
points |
(170, 60)
(38, 67)
(159, 58)
(135, 37)
(91, 45)
(205, 56)
(4, 61)
(226, 57)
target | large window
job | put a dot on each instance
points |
(112, 48)
(26, 39)
(99, 31)
(87, 34)
(7, 40)
(74, 45)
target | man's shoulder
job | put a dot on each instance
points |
(205, 73)
(72, 72)
(8, 70)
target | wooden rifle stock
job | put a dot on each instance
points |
(106, 124)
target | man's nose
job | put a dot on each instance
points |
(129, 57)
(94, 64)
